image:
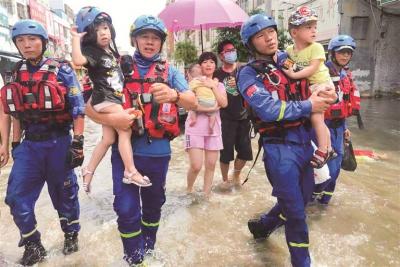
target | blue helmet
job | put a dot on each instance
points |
(148, 22)
(255, 24)
(87, 15)
(28, 26)
(341, 42)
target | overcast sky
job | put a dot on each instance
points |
(122, 12)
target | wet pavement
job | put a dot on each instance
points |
(360, 227)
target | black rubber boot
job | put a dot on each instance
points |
(70, 243)
(132, 263)
(34, 253)
(324, 199)
(259, 230)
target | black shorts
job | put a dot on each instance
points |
(235, 136)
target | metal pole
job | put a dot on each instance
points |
(201, 38)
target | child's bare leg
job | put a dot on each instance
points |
(324, 151)
(193, 118)
(125, 149)
(107, 139)
(100, 150)
(321, 131)
(328, 139)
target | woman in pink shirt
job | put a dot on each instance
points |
(200, 142)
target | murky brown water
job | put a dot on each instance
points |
(361, 226)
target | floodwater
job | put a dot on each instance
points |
(360, 227)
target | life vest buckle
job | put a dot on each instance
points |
(146, 98)
(28, 83)
(159, 126)
(158, 120)
(29, 98)
(160, 68)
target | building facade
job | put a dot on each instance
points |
(373, 24)
(52, 14)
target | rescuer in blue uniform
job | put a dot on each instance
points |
(281, 109)
(44, 97)
(341, 49)
(158, 85)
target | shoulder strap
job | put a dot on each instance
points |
(50, 66)
(126, 63)
(260, 141)
(267, 71)
(260, 67)
(160, 70)
(13, 74)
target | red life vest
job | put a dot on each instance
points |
(349, 96)
(36, 97)
(355, 99)
(281, 88)
(160, 120)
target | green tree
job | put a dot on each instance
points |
(233, 34)
(284, 39)
(185, 52)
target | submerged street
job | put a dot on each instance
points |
(360, 227)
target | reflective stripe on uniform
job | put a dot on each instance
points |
(282, 111)
(151, 224)
(299, 245)
(68, 223)
(76, 221)
(130, 235)
(327, 193)
(282, 217)
(30, 233)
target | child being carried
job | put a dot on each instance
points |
(204, 94)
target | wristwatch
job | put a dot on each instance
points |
(178, 96)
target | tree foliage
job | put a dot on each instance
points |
(185, 52)
(284, 39)
(233, 34)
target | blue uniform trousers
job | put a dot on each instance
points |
(139, 209)
(291, 176)
(34, 164)
(324, 191)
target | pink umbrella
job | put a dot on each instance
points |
(202, 14)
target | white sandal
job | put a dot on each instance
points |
(127, 179)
